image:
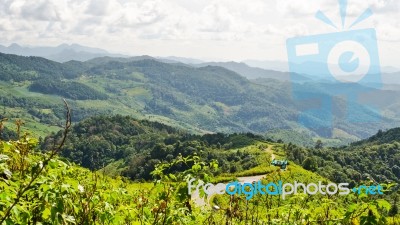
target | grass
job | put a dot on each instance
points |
(295, 172)
(258, 170)
(139, 76)
(135, 186)
(263, 157)
(139, 92)
(113, 169)
(31, 124)
(227, 111)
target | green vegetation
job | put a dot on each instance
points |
(374, 159)
(42, 188)
(133, 148)
(205, 99)
(20, 68)
(71, 90)
(131, 166)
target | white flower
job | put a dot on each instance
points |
(81, 188)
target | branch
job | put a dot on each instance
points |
(22, 191)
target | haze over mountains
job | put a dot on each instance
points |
(187, 93)
(251, 69)
(61, 53)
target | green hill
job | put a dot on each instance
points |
(39, 188)
(205, 99)
(382, 137)
(374, 159)
(135, 147)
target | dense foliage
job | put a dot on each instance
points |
(42, 111)
(37, 190)
(38, 187)
(7, 134)
(202, 99)
(376, 158)
(135, 147)
(19, 68)
(71, 90)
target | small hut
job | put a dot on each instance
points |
(281, 163)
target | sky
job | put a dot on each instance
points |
(204, 29)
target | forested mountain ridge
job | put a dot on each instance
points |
(178, 96)
(43, 68)
(204, 99)
(249, 72)
(132, 148)
(382, 137)
(376, 158)
(60, 53)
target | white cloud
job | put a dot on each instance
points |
(295, 8)
(99, 7)
(133, 14)
(181, 27)
(389, 32)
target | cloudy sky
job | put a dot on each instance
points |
(206, 29)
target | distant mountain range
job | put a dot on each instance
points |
(249, 72)
(251, 69)
(95, 74)
(283, 66)
(240, 68)
(61, 53)
(202, 98)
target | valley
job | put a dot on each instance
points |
(204, 99)
(141, 127)
(211, 112)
